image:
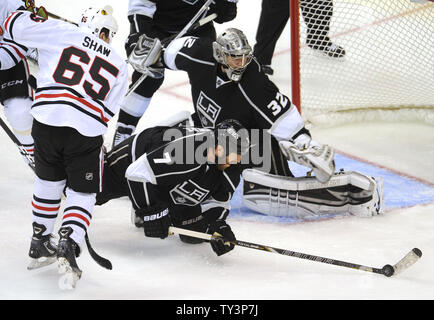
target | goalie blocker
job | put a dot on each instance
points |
(346, 192)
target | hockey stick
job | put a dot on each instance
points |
(192, 25)
(388, 270)
(103, 262)
(21, 148)
(55, 16)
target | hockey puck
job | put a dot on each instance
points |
(417, 252)
(388, 270)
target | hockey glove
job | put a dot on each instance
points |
(145, 55)
(156, 220)
(226, 10)
(221, 229)
(307, 152)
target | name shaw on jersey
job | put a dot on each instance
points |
(88, 42)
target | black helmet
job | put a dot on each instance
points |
(232, 136)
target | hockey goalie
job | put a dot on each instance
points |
(247, 95)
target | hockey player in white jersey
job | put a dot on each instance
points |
(80, 82)
(16, 94)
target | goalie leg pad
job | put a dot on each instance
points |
(346, 192)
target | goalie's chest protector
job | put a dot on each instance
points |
(216, 98)
(254, 101)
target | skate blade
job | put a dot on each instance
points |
(40, 262)
(69, 277)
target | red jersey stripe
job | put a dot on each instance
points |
(8, 20)
(68, 95)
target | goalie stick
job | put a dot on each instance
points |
(21, 148)
(192, 25)
(388, 270)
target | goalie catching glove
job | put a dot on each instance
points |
(156, 220)
(144, 55)
(307, 152)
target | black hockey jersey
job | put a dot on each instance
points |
(255, 100)
(175, 159)
(173, 15)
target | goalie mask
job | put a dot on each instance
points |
(232, 50)
(99, 19)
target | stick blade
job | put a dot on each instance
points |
(410, 258)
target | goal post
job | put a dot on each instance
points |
(386, 72)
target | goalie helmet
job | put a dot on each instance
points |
(232, 136)
(98, 19)
(232, 50)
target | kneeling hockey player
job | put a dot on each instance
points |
(176, 176)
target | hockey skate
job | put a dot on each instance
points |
(67, 251)
(42, 250)
(327, 47)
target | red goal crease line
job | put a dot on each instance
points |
(400, 173)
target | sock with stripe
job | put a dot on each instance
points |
(46, 201)
(78, 213)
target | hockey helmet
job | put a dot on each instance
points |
(232, 136)
(98, 19)
(232, 50)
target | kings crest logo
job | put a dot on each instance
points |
(192, 2)
(207, 110)
(188, 193)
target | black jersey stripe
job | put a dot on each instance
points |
(73, 105)
(101, 104)
(10, 54)
(40, 89)
(12, 24)
(24, 48)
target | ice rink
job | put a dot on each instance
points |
(401, 152)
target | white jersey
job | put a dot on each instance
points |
(7, 7)
(81, 79)
(10, 55)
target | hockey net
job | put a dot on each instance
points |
(387, 72)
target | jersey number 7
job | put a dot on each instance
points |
(76, 72)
